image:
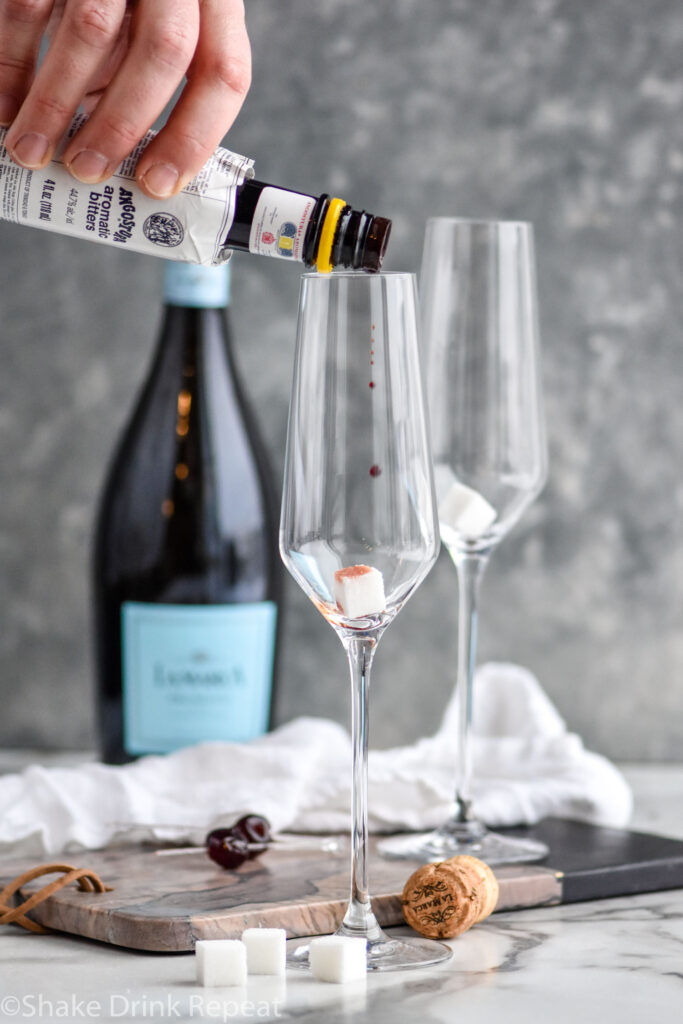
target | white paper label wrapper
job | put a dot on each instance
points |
(191, 226)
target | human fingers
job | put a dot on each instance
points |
(218, 81)
(109, 67)
(163, 40)
(22, 24)
(84, 36)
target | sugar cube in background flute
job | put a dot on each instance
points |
(359, 590)
(338, 958)
(266, 950)
(221, 962)
(460, 507)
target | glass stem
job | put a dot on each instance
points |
(359, 918)
(470, 570)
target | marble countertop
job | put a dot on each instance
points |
(618, 960)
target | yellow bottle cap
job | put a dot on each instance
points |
(324, 259)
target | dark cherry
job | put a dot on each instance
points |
(230, 851)
(254, 828)
(247, 838)
(217, 833)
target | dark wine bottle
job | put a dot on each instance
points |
(187, 574)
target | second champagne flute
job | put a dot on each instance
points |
(479, 306)
(359, 530)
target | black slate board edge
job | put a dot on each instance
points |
(623, 880)
(595, 862)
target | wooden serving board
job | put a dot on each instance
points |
(165, 903)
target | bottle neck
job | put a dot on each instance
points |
(274, 221)
(318, 232)
(194, 343)
(196, 320)
(187, 286)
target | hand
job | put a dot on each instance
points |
(122, 62)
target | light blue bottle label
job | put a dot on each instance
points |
(195, 672)
(186, 284)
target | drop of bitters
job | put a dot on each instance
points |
(375, 470)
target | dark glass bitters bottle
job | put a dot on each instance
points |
(220, 209)
(187, 576)
(319, 232)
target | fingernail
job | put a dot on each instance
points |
(89, 166)
(30, 150)
(161, 179)
(9, 108)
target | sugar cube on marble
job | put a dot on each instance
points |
(266, 950)
(221, 962)
(338, 958)
(466, 511)
(359, 590)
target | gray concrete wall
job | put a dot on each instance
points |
(569, 114)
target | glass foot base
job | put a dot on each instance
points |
(384, 953)
(476, 841)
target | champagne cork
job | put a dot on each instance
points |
(486, 881)
(439, 901)
(443, 900)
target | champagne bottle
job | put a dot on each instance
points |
(186, 568)
(221, 209)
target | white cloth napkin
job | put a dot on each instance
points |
(526, 766)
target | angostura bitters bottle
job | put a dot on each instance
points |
(186, 570)
(221, 209)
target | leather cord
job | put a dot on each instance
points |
(88, 881)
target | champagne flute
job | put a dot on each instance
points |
(359, 530)
(479, 307)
